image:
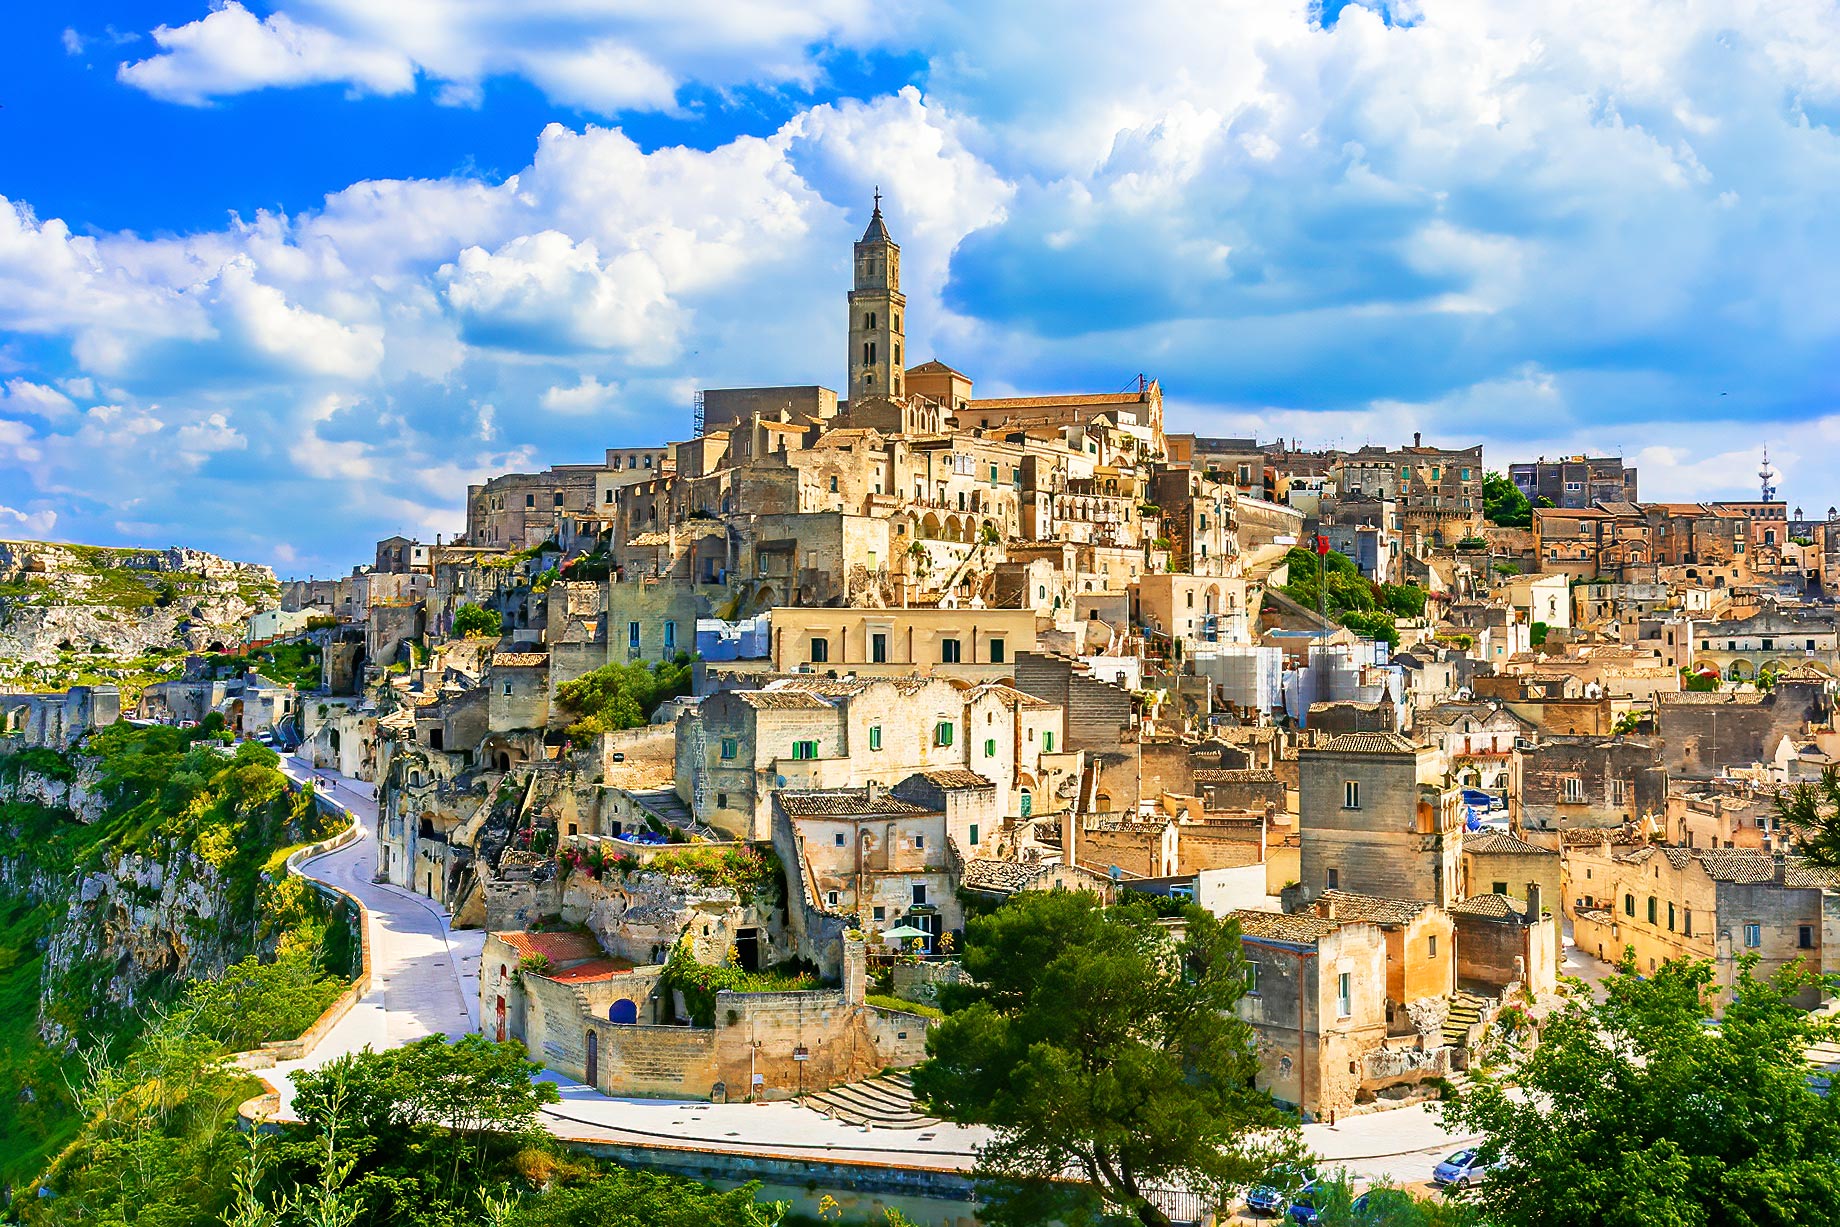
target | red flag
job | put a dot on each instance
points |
(1322, 545)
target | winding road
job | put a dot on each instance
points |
(424, 981)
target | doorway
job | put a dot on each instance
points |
(594, 1059)
(747, 949)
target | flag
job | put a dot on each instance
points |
(1322, 545)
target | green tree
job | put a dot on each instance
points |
(1811, 810)
(1503, 504)
(621, 696)
(1094, 1044)
(647, 1199)
(473, 621)
(1636, 1111)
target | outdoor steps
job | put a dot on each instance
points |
(665, 805)
(1465, 1012)
(886, 1102)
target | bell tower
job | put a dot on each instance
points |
(877, 306)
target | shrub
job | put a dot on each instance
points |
(905, 1006)
(473, 622)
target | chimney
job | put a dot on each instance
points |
(1416, 436)
(1325, 908)
(873, 790)
(1533, 902)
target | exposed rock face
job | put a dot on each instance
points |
(139, 917)
(109, 604)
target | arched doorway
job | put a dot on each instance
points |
(500, 1012)
(594, 1059)
(623, 1012)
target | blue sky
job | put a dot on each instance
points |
(279, 279)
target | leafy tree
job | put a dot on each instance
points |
(1503, 504)
(1404, 600)
(1811, 810)
(472, 1088)
(647, 1199)
(1337, 1204)
(1536, 634)
(1096, 1046)
(1636, 1111)
(473, 621)
(621, 696)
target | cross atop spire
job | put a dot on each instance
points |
(878, 198)
(877, 231)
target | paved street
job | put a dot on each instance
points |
(424, 975)
(425, 981)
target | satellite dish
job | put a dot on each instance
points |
(1116, 873)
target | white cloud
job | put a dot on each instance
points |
(545, 291)
(602, 56)
(588, 396)
(34, 525)
(23, 398)
(230, 51)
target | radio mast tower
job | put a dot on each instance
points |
(1768, 476)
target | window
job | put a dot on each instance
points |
(1351, 794)
(1753, 936)
(804, 750)
(1028, 803)
(1686, 922)
(942, 733)
(558, 501)
(1619, 792)
(831, 898)
(920, 842)
(1804, 937)
(996, 651)
(974, 834)
(1431, 946)
(1334, 879)
(1252, 979)
(1651, 909)
(1629, 905)
(1574, 790)
(878, 648)
(530, 500)
(728, 747)
(881, 913)
(1344, 995)
(1047, 741)
(507, 688)
(820, 651)
(919, 894)
(1670, 918)
(648, 462)
(632, 635)
(670, 635)
(1500, 888)
(948, 651)
(838, 838)
(990, 747)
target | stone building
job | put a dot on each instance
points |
(1575, 481)
(1496, 862)
(1421, 955)
(973, 644)
(1703, 733)
(57, 721)
(1715, 904)
(1572, 782)
(605, 1023)
(1503, 941)
(1316, 998)
(1375, 818)
(516, 511)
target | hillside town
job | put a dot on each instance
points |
(719, 742)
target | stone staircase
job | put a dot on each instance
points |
(1465, 1012)
(883, 1102)
(665, 805)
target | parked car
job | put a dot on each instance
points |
(1462, 1169)
(1273, 1194)
(1480, 799)
(1303, 1207)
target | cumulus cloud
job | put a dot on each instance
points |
(603, 56)
(33, 525)
(23, 398)
(1552, 225)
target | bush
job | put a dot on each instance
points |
(473, 622)
(700, 982)
(621, 696)
(905, 1006)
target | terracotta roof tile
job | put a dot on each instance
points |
(519, 660)
(783, 700)
(844, 803)
(1501, 843)
(591, 971)
(1235, 775)
(1302, 927)
(1490, 907)
(1369, 743)
(560, 949)
(952, 778)
(1350, 906)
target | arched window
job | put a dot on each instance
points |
(872, 319)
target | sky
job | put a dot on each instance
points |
(278, 280)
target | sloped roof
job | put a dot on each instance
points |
(519, 660)
(1500, 843)
(1303, 927)
(783, 700)
(1491, 907)
(561, 949)
(1369, 743)
(989, 873)
(592, 971)
(1382, 911)
(952, 779)
(1236, 775)
(844, 803)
